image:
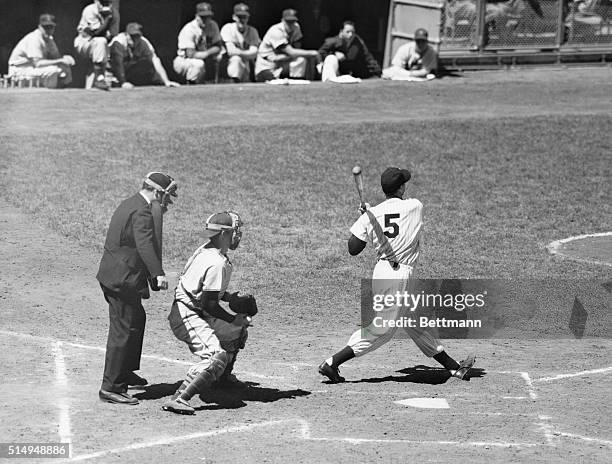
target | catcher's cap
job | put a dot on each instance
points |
(46, 20)
(133, 29)
(241, 9)
(393, 178)
(161, 182)
(421, 34)
(204, 9)
(290, 15)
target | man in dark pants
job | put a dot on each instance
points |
(130, 263)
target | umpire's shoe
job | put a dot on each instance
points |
(464, 367)
(116, 397)
(332, 373)
(134, 380)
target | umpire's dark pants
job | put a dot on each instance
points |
(125, 335)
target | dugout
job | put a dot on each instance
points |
(464, 31)
(163, 19)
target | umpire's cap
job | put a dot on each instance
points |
(161, 182)
(393, 178)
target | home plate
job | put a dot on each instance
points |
(431, 403)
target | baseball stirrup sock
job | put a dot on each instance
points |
(342, 356)
(448, 362)
(205, 378)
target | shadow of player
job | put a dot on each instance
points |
(224, 397)
(421, 374)
(158, 390)
(237, 397)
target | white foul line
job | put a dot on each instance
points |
(170, 440)
(527, 379)
(61, 381)
(575, 374)
(102, 349)
(582, 437)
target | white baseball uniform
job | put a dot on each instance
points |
(192, 36)
(31, 48)
(394, 229)
(272, 44)
(93, 48)
(207, 270)
(237, 66)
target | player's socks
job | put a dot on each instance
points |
(448, 362)
(341, 356)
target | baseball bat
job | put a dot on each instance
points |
(359, 185)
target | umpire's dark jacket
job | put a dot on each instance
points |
(132, 251)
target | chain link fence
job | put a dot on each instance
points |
(525, 24)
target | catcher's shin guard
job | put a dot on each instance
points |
(198, 382)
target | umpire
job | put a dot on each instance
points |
(132, 261)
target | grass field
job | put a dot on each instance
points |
(504, 163)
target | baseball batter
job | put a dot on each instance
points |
(213, 332)
(394, 229)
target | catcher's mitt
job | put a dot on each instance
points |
(243, 304)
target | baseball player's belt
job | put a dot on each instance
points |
(394, 264)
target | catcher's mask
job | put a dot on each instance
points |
(227, 220)
(164, 185)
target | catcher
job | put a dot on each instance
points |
(214, 332)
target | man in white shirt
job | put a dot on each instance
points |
(94, 35)
(241, 42)
(213, 332)
(198, 41)
(412, 60)
(36, 56)
(394, 229)
(279, 53)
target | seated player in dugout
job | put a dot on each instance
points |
(213, 331)
(415, 59)
(94, 34)
(198, 42)
(280, 54)
(241, 42)
(134, 61)
(347, 54)
(36, 56)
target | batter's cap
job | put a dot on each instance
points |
(393, 178)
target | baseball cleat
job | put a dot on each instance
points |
(332, 373)
(178, 406)
(100, 84)
(464, 367)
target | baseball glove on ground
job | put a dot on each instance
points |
(243, 304)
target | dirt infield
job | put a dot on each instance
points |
(528, 401)
(589, 248)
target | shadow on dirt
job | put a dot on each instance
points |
(421, 374)
(224, 398)
(233, 398)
